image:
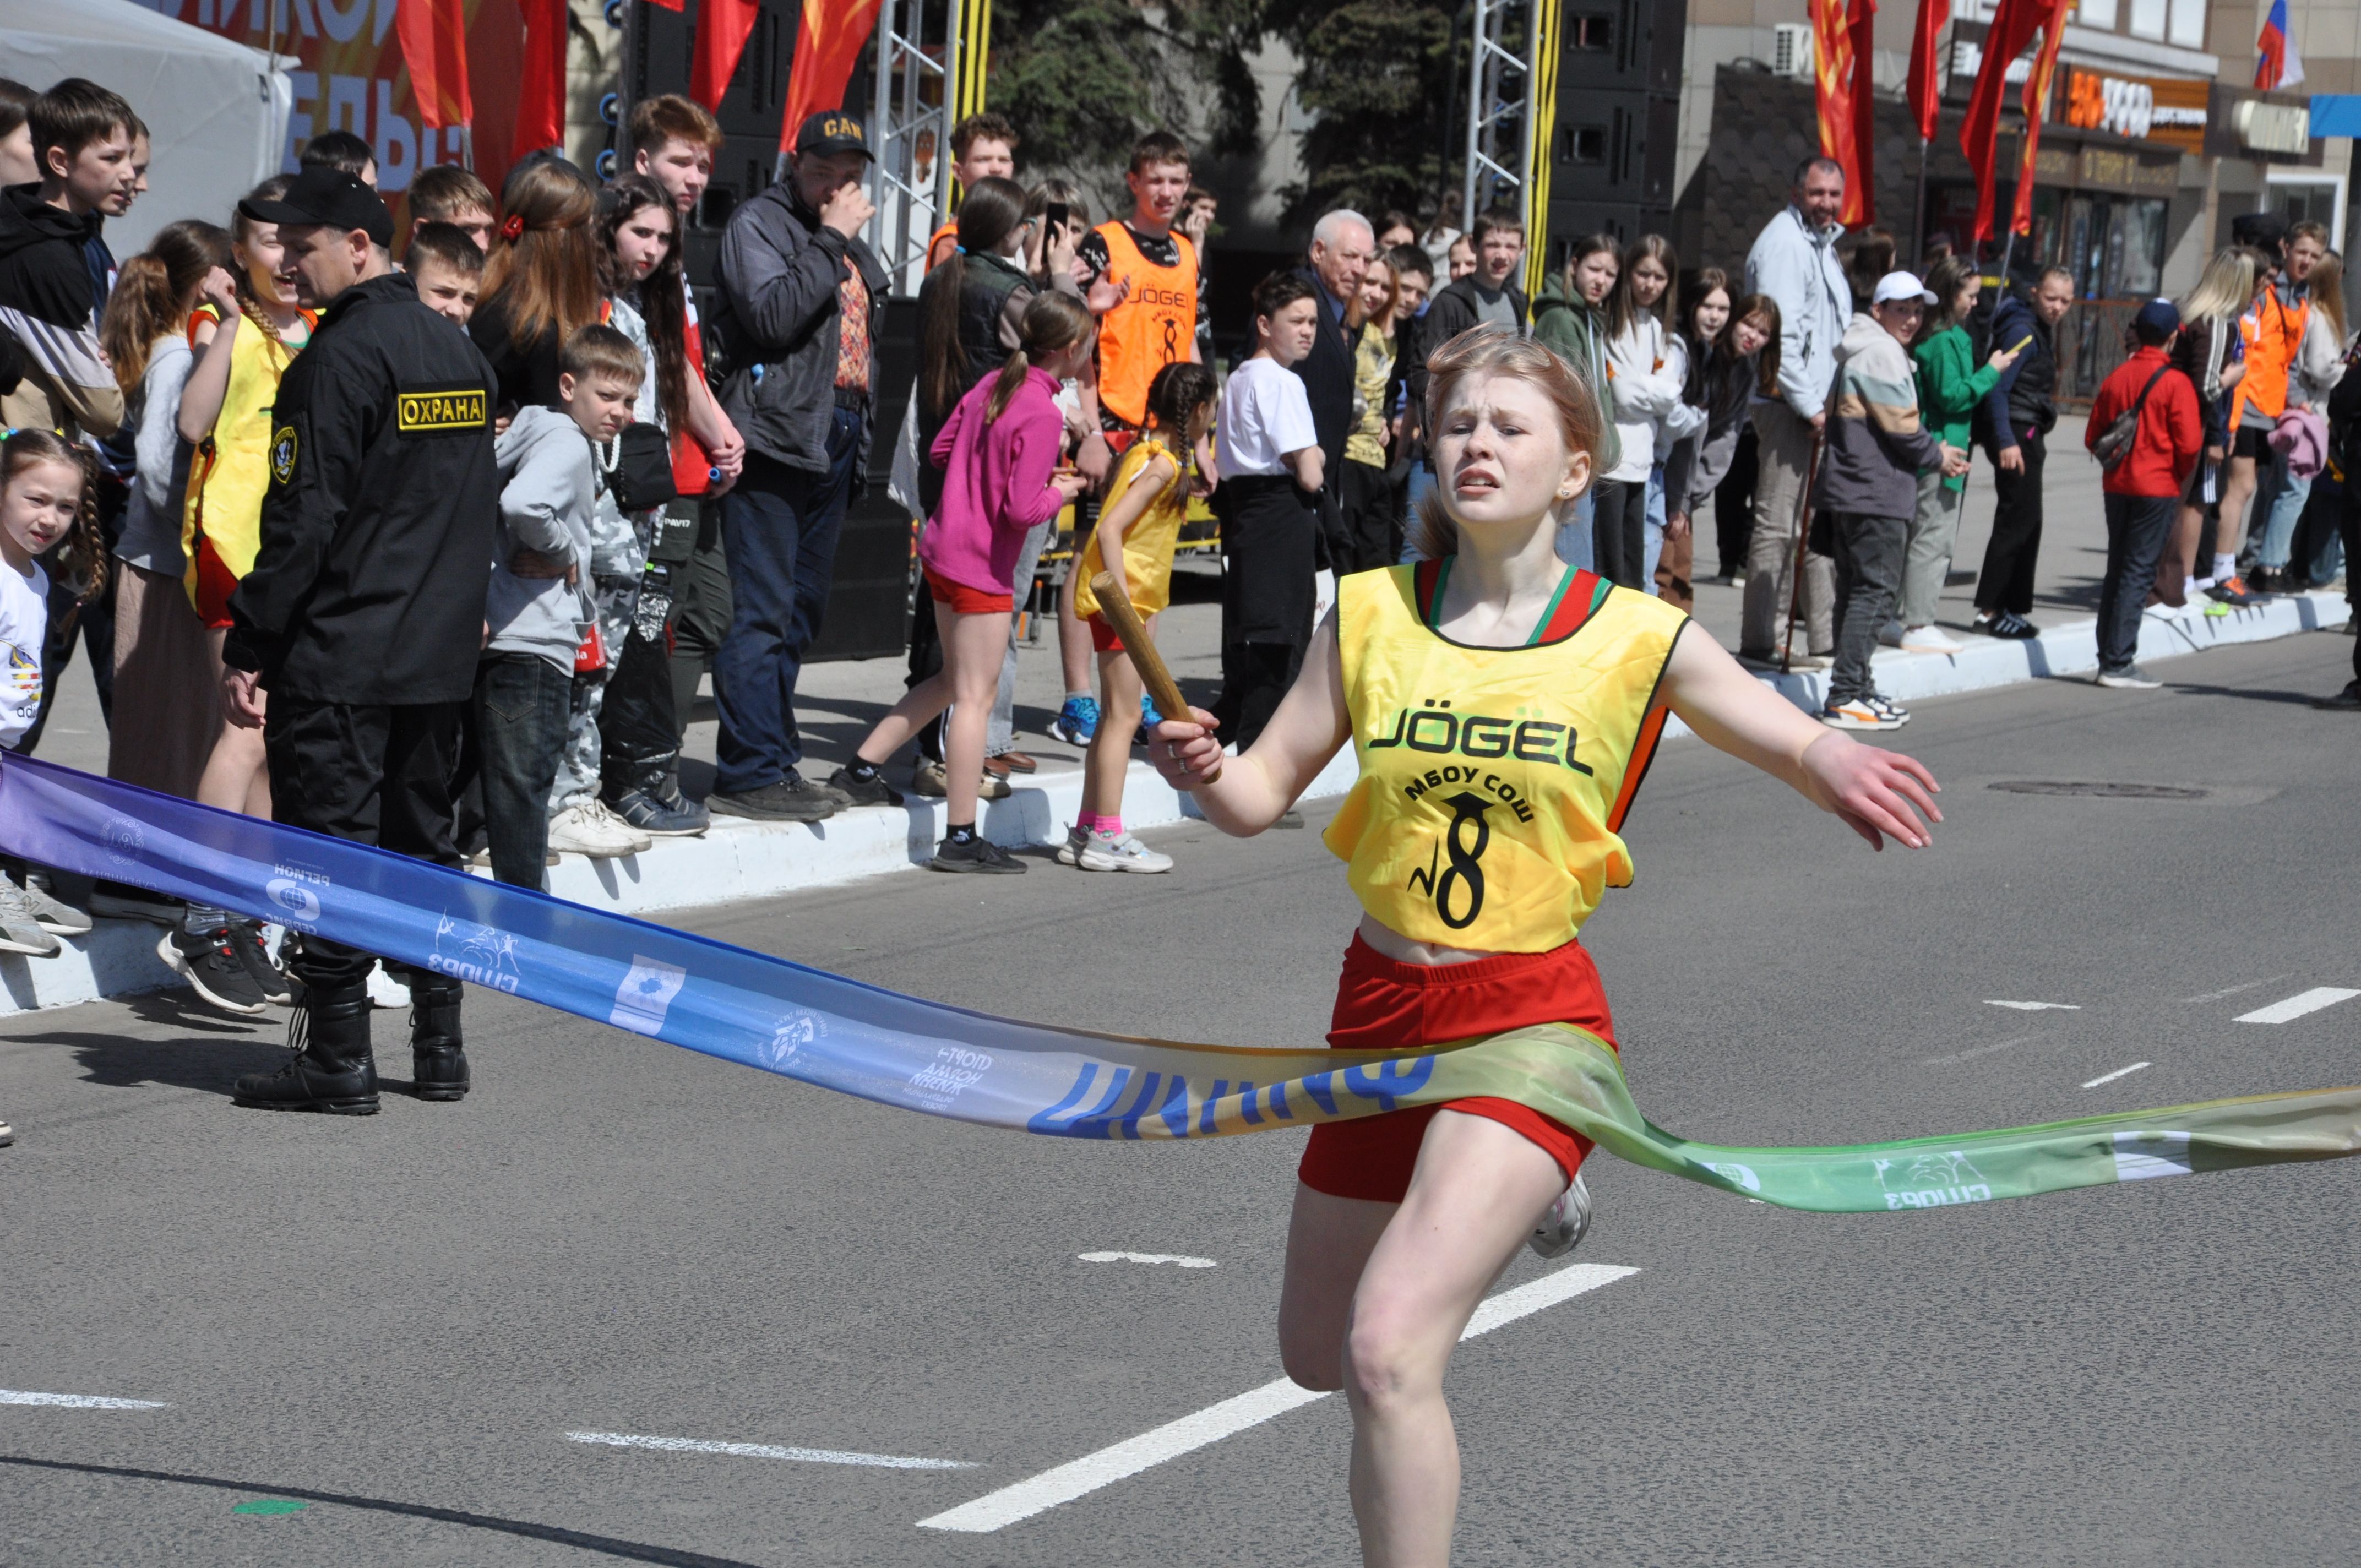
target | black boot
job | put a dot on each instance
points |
(439, 1066)
(332, 1070)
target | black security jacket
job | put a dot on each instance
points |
(377, 529)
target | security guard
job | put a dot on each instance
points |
(364, 613)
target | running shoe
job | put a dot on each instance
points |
(211, 967)
(1890, 634)
(1070, 853)
(1563, 1223)
(1861, 713)
(20, 931)
(8, 1135)
(51, 913)
(2232, 591)
(588, 828)
(2345, 701)
(2131, 677)
(790, 799)
(1124, 854)
(662, 816)
(1929, 640)
(978, 854)
(246, 938)
(871, 791)
(1077, 721)
(387, 994)
(926, 779)
(2010, 627)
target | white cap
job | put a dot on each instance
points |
(1902, 286)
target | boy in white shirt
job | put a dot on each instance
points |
(1271, 469)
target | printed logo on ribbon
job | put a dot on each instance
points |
(2140, 1156)
(792, 1035)
(954, 1070)
(299, 903)
(479, 955)
(1930, 1180)
(1742, 1175)
(124, 840)
(645, 995)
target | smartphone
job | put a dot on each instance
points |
(1057, 213)
(2019, 347)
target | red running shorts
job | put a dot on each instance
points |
(965, 600)
(1385, 1005)
(1103, 637)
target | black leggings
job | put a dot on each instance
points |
(1619, 534)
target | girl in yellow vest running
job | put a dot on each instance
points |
(244, 334)
(1139, 527)
(1504, 708)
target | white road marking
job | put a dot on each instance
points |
(2119, 1072)
(1080, 1478)
(2296, 1006)
(79, 1402)
(2036, 1006)
(2231, 990)
(1146, 1257)
(766, 1450)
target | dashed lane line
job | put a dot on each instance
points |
(2231, 990)
(2119, 1072)
(2296, 1006)
(766, 1450)
(2009, 1044)
(2036, 1007)
(79, 1402)
(1080, 1478)
(1146, 1257)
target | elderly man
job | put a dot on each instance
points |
(803, 299)
(1794, 261)
(1342, 244)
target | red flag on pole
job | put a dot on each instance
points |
(2012, 26)
(1840, 33)
(541, 96)
(829, 41)
(722, 29)
(2035, 103)
(1926, 65)
(433, 36)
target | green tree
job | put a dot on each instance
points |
(1376, 75)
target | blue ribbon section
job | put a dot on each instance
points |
(704, 995)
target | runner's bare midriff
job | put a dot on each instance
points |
(1410, 950)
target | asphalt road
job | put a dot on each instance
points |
(395, 1322)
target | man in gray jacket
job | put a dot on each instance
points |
(802, 300)
(1795, 261)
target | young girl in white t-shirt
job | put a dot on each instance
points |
(47, 490)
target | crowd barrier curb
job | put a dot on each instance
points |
(740, 860)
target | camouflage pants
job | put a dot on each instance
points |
(618, 599)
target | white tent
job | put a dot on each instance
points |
(217, 109)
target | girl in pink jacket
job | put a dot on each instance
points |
(999, 454)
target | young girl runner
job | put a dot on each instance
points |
(246, 335)
(1551, 686)
(48, 490)
(1000, 451)
(1139, 526)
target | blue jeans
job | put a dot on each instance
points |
(1574, 533)
(2287, 506)
(779, 527)
(520, 711)
(2136, 529)
(1655, 545)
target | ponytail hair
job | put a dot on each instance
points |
(241, 229)
(1178, 390)
(84, 548)
(1494, 351)
(1053, 323)
(989, 214)
(152, 294)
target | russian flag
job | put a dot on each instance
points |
(2277, 63)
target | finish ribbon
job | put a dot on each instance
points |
(860, 1039)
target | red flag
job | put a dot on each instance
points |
(1840, 31)
(541, 96)
(433, 36)
(1926, 65)
(2012, 26)
(722, 29)
(2037, 108)
(829, 41)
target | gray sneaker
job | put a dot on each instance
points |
(1563, 1224)
(54, 914)
(2131, 677)
(20, 928)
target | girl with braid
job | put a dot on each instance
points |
(1503, 707)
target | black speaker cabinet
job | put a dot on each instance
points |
(661, 46)
(869, 603)
(1618, 131)
(1631, 45)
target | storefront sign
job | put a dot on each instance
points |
(2142, 108)
(2273, 128)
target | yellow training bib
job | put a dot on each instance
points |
(1148, 543)
(1494, 780)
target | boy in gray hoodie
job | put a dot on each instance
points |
(538, 607)
(1867, 487)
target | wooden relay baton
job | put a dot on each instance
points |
(1114, 603)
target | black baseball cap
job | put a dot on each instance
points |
(833, 130)
(2263, 229)
(330, 196)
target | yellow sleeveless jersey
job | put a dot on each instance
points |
(1155, 326)
(221, 520)
(1494, 780)
(1147, 544)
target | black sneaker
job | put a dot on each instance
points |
(789, 800)
(2346, 701)
(679, 817)
(2011, 627)
(872, 791)
(246, 937)
(211, 964)
(978, 854)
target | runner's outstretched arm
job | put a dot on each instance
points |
(1880, 794)
(1243, 796)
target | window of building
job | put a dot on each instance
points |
(2150, 17)
(2189, 23)
(2096, 14)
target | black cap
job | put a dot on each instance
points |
(833, 130)
(330, 196)
(2263, 229)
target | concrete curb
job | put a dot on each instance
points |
(742, 860)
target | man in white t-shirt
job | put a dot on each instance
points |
(1269, 455)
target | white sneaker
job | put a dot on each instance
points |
(1070, 853)
(386, 991)
(20, 931)
(1927, 639)
(588, 828)
(1124, 854)
(1563, 1223)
